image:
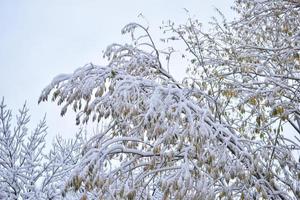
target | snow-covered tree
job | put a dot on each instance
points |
(217, 134)
(251, 63)
(27, 171)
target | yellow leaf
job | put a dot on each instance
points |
(252, 101)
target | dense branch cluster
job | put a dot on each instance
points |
(218, 134)
(26, 170)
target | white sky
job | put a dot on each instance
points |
(41, 39)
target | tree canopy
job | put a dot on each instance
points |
(220, 133)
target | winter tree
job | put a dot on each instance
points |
(220, 133)
(26, 170)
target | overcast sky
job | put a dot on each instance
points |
(40, 39)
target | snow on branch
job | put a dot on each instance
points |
(160, 141)
(26, 170)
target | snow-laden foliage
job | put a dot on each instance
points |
(26, 170)
(250, 66)
(218, 134)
